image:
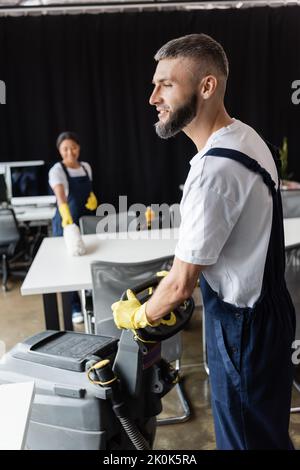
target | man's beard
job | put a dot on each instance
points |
(180, 119)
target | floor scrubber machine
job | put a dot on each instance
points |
(96, 392)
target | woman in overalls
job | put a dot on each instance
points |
(71, 182)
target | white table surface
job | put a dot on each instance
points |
(32, 214)
(53, 270)
(36, 201)
(15, 408)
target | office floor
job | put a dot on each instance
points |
(23, 316)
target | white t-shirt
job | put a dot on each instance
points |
(58, 176)
(226, 215)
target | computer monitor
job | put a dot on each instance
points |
(27, 182)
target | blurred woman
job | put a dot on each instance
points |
(71, 182)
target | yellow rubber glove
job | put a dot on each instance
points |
(170, 321)
(65, 213)
(131, 314)
(92, 202)
(162, 273)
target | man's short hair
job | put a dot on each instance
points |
(203, 49)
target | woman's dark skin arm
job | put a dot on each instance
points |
(60, 194)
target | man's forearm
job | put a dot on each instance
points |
(164, 300)
(173, 290)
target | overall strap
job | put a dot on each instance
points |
(244, 159)
(84, 169)
(67, 173)
(275, 261)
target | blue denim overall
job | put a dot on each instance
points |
(79, 190)
(249, 349)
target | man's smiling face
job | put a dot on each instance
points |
(174, 96)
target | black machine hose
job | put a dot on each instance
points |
(134, 433)
(105, 377)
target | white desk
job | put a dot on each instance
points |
(54, 271)
(34, 208)
(15, 407)
(34, 214)
(36, 201)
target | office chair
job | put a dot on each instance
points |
(9, 240)
(91, 224)
(292, 276)
(110, 280)
(88, 224)
(121, 221)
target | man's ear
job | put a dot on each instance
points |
(208, 86)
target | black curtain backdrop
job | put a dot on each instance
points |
(92, 74)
